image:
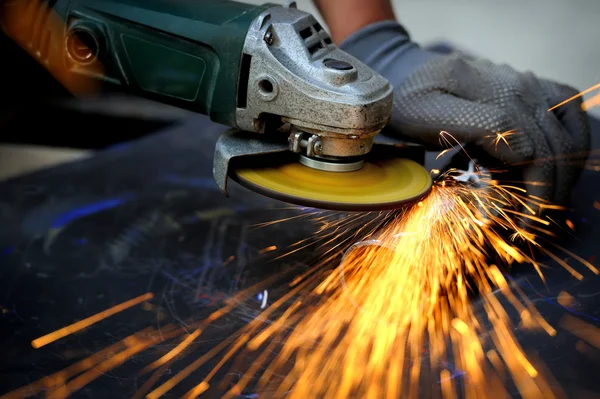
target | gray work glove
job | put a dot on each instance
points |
(475, 99)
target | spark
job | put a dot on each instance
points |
(591, 102)
(80, 325)
(570, 224)
(172, 354)
(582, 93)
(451, 142)
(501, 138)
(267, 249)
(442, 153)
(582, 330)
(229, 260)
(565, 299)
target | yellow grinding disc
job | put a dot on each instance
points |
(379, 184)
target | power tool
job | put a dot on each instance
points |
(306, 116)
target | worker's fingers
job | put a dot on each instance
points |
(545, 180)
(550, 131)
(422, 119)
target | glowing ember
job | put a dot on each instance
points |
(582, 93)
(80, 325)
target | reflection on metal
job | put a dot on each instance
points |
(236, 144)
(263, 297)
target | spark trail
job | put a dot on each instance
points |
(359, 328)
(364, 333)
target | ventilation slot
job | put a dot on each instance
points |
(315, 47)
(305, 33)
(328, 41)
(318, 27)
(242, 97)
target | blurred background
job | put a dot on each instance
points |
(40, 125)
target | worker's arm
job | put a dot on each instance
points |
(345, 17)
(474, 100)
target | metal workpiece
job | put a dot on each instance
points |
(235, 143)
(478, 178)
(475, 175)
(296, 73)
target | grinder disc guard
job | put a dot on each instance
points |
(380, 184)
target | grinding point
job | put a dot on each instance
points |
(378, 185)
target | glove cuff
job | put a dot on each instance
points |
(386, 47)
(365, 44)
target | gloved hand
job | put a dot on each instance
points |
(474, 100)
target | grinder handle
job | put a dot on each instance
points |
(186, 53)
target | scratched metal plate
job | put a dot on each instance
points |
(147, 216)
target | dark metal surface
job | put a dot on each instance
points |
(148, 216)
